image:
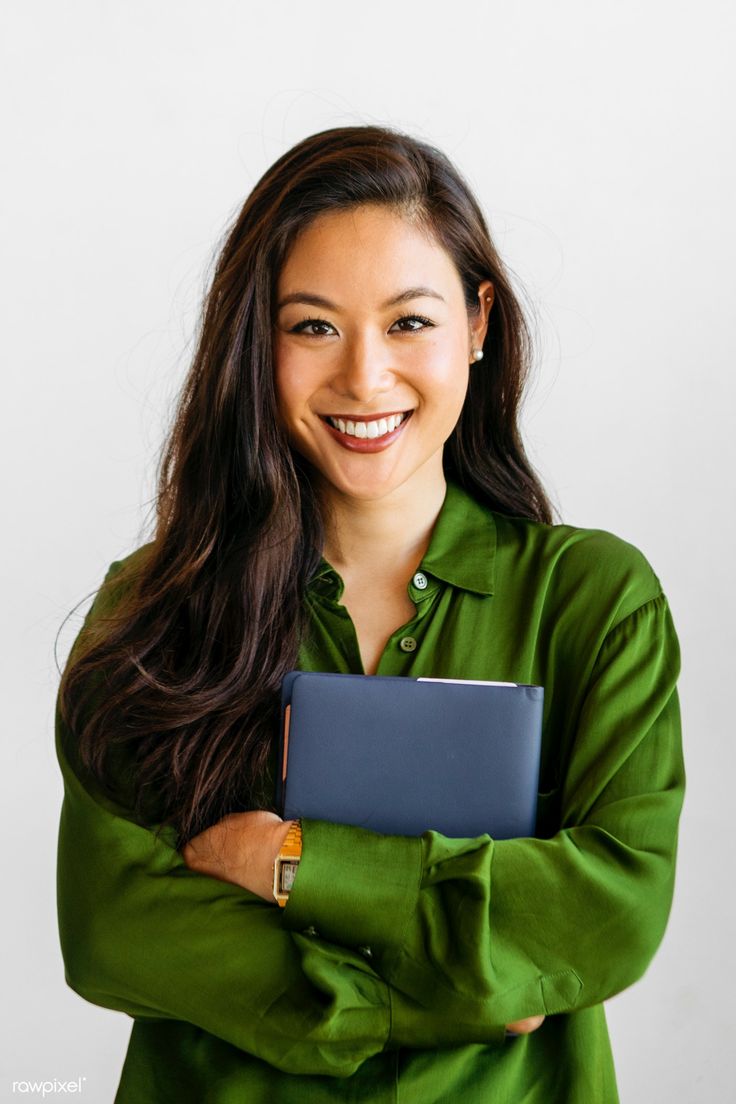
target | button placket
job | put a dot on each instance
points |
(424, 600)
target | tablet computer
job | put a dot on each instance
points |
(402, 755)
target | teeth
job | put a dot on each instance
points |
(368, 429)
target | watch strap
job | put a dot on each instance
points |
(287, 863)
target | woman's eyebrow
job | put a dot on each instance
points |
(319, 300)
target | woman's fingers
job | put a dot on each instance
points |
(525, 1027)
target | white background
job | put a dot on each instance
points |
(599, 138)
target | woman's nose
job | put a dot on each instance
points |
(365, 369)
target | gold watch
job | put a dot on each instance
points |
(287, 863)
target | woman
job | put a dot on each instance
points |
(345, 489)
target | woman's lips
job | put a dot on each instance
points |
(366, 444)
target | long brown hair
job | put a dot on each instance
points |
(180, 682)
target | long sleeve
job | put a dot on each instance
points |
(494, 930)
(140, 933)
(143, 934)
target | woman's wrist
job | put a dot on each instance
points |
(242, 849)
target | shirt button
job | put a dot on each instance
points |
(420, 581)
(408, 644)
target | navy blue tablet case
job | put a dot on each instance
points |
(401, 755)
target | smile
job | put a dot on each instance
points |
(378, 428)
(361, 434)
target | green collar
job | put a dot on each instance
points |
(461, 550)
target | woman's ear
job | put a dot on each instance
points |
(479, 324)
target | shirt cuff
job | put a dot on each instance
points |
(354, 886)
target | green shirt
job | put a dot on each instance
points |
(392, 970)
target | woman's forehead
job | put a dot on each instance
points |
(368, 247)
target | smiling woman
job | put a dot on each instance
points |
(345, 489)
(337, 387)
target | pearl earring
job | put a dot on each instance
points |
(477, 354)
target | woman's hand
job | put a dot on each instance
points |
(525, 1027)
(241, 849)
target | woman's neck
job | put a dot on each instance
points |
(384, 536)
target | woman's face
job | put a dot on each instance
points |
(372, 350)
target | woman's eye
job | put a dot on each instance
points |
(301, 327)
(424, 322)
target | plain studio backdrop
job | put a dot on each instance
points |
(599, 139)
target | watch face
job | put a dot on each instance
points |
(288, 874)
